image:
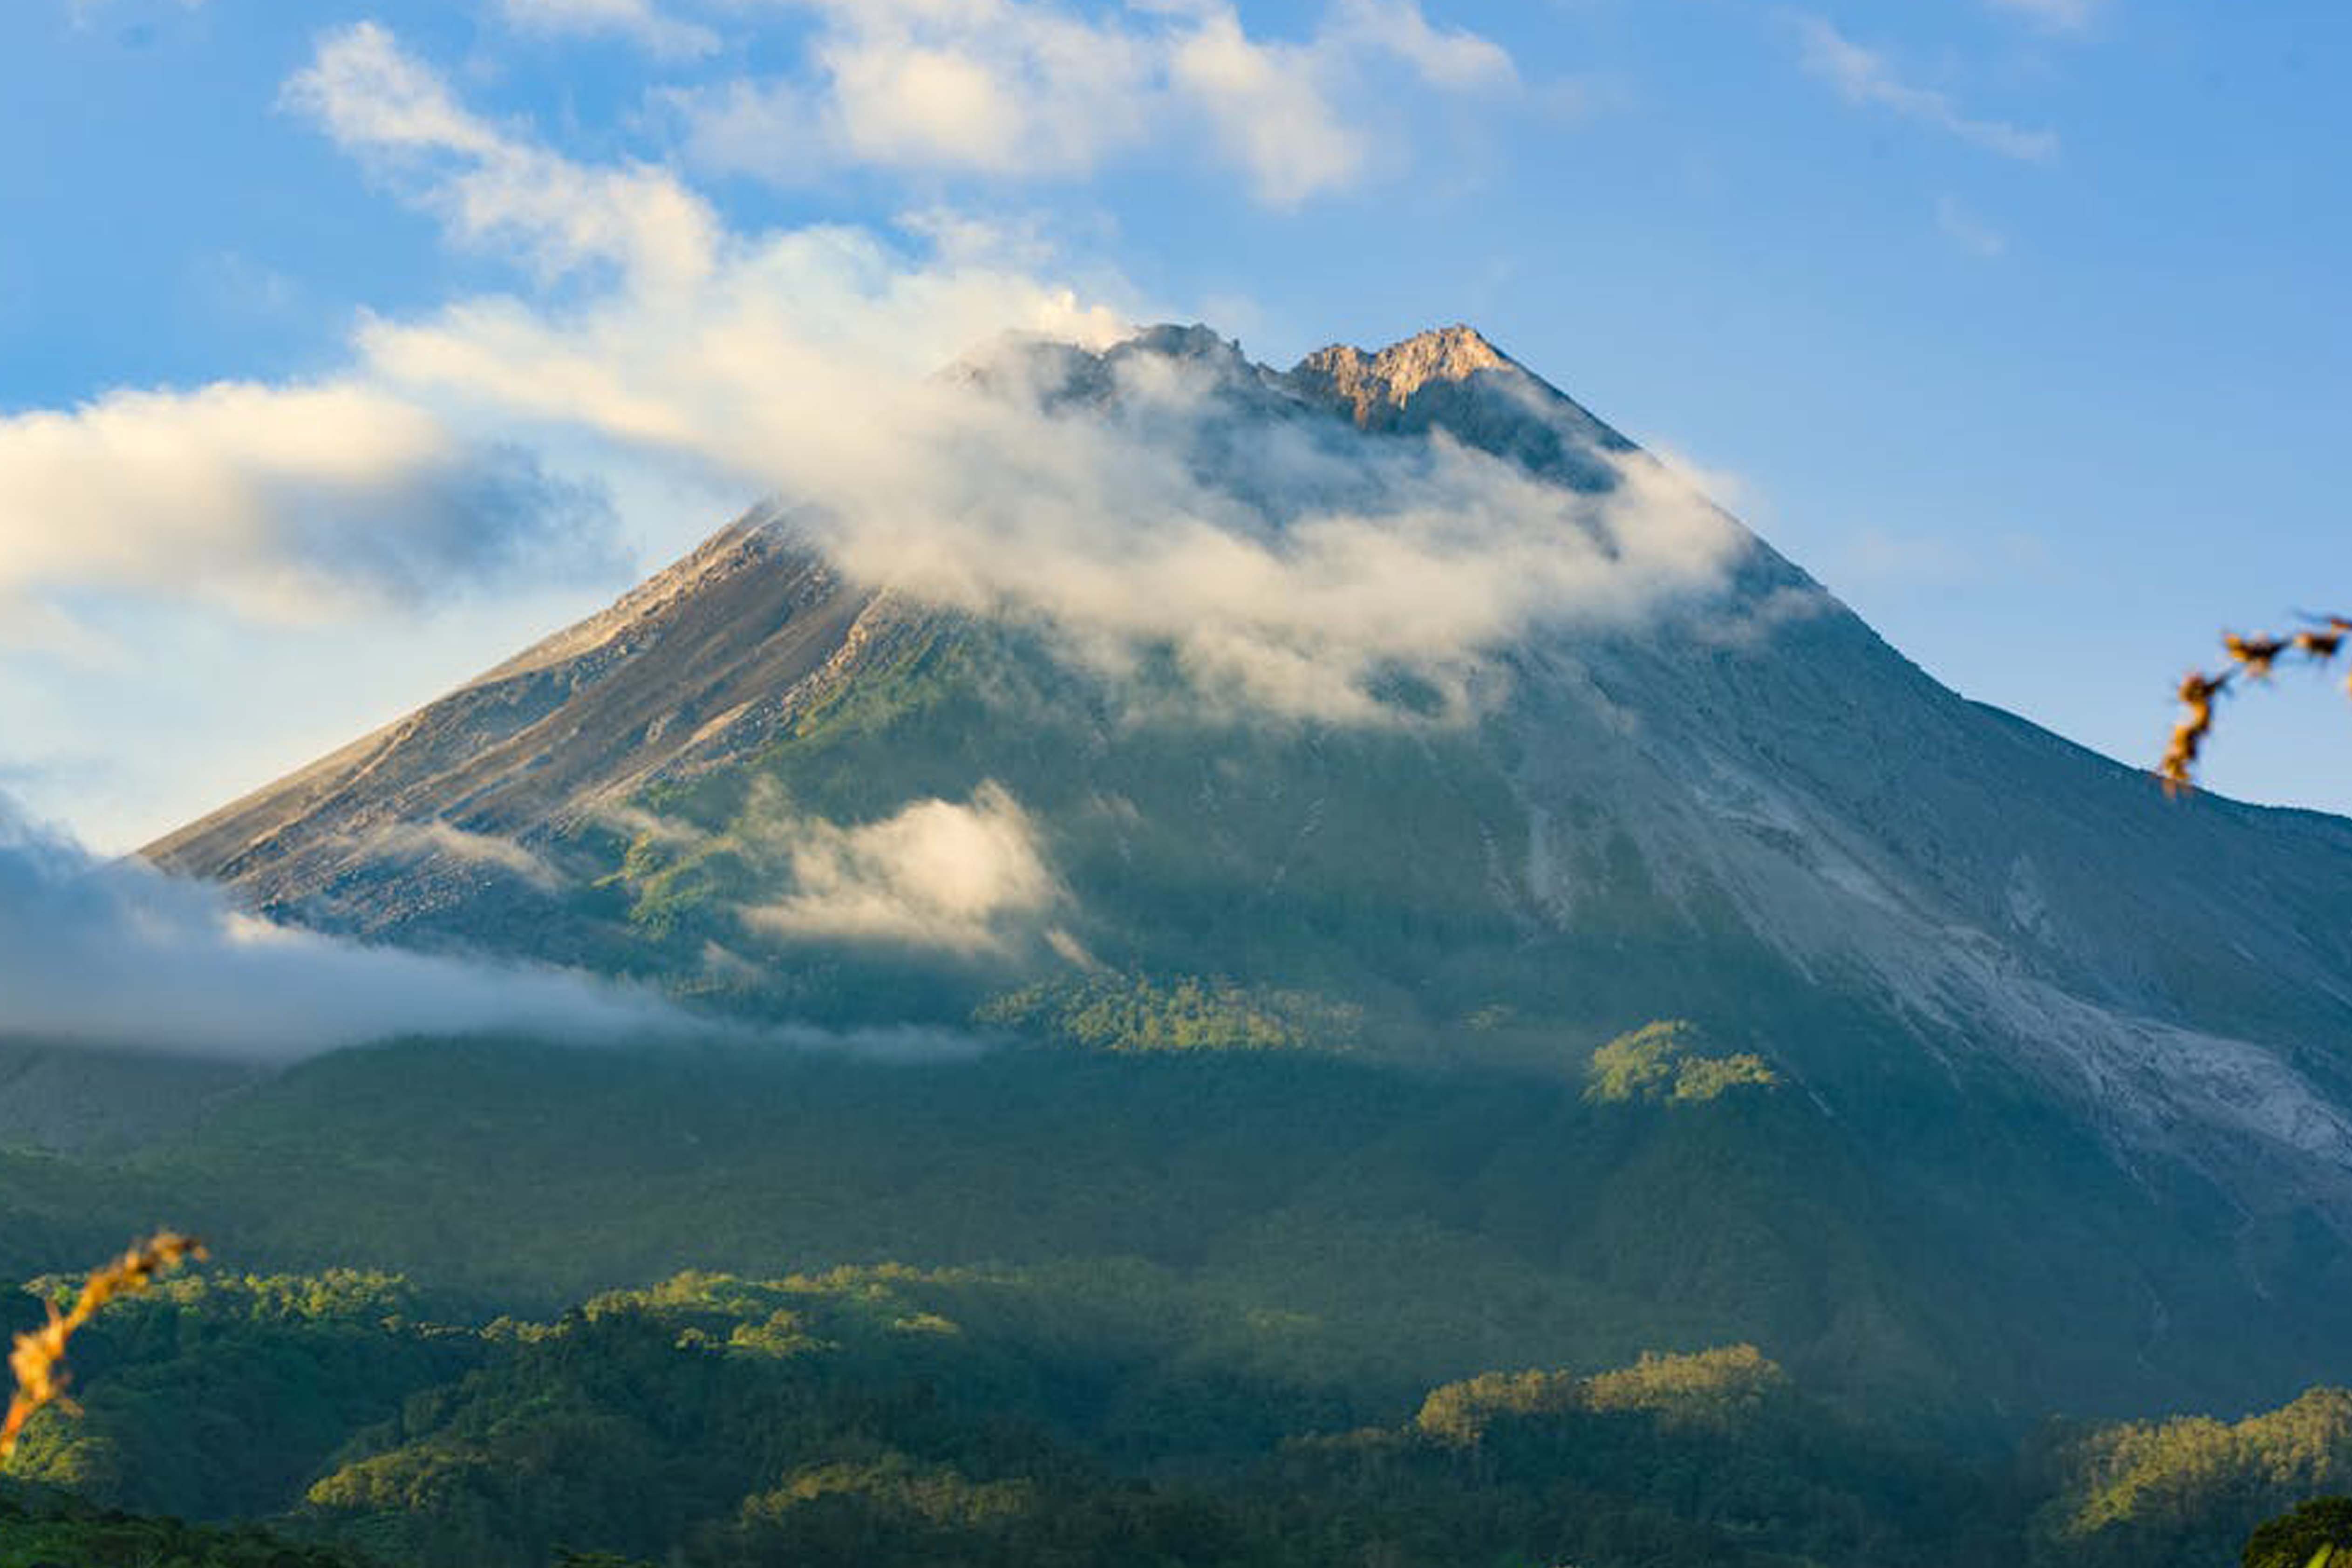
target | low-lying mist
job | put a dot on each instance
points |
(114, 954)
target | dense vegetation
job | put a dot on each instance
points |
(1418, 1226)
(2189, 1489)
(1661, 1062)
(1105, 1012)
(887, 1415)
(1176, 1284)
(39, 1530)
(2317, 1534)
(1177, 1274)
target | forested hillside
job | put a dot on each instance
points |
(1662, 1191)
(888, 1416)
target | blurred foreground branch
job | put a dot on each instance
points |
(39, 1358)
(2251, 659)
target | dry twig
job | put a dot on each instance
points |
(2251, 659)
(39, 1358)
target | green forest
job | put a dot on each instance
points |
(891, 1416)
(1148, 1282)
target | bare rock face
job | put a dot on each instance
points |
(458, 799)
(1454, 381)
(1373, 387)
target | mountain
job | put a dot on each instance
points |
(1978, 1062)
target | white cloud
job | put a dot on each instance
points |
(1034, 88)
(1450, 57)
(368, 91)
(797, 362)
(495, 188)
(282, 502)
(113, 953)
(1267, 109)
(1725, 487)
(1863, 76)
(966, 879)
(447, 841)
(766, 128)
(993, 85)
(636, 20)
(1308, 564)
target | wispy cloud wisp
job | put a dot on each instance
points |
(1863, 76)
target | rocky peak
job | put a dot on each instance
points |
(1369, 385)
(1451, 379)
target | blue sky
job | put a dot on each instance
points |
(2020, 323)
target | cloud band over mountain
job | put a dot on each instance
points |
(113, 954)
(799, 363)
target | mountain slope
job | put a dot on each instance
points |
(1764, 779)
(2024, 994)
(703, 652)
